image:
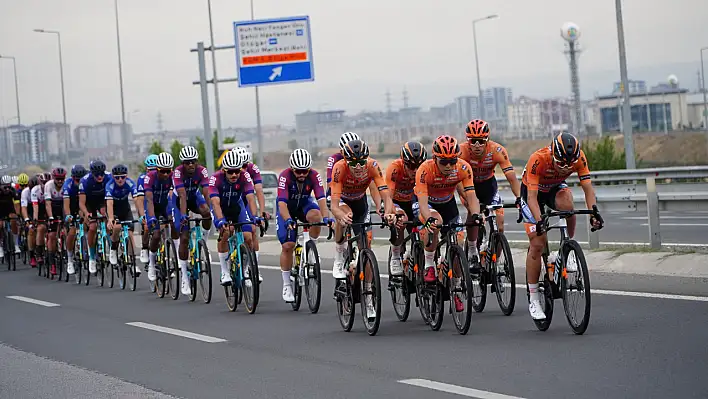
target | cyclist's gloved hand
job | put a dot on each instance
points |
(152, 221)
(259, 220)
(51, 218)
(67, 218)
(266, 215)
(329, 221)
(476, 218)
(184, 219)
(540, 228)
(219, 223)
(431, 223)
(27, 220)
(141, 219)
(596, 222)
(518, 202)
(290, 223)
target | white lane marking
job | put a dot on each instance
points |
(594, 290)
(665, 217)
(456, 389)
(34, 301)
(179, 333)
(622, 243)
(679, 224)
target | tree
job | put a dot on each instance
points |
(230, 140)
(201, 149)
(604, 155)
(175, 148)
(156, 148)
(382, 148)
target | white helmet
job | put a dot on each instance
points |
(347, 137)
(7, 179)
(232, 160)
(300, 159)
(242, 152)
(188, 153)
(165, 160)
(14, 179)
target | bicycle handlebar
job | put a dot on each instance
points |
(594, 212)
(241, 224)
(328, 225)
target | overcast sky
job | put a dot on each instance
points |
(361, 48)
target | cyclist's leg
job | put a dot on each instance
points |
(70, 242)
(154, 244)
(429, 249)
(396, 266)
(485, 191)
(561, 199)
(340, 243)
(14, 225)
(145, 237)
(287, 240)
(533, 255)
(32, 236)
(122, 212)
(52, 229)
(222, 247)
(182, 240)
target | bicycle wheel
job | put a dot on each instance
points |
(84, 266)
(504, 279)
(478, 282)
(161, 272)
(122, 269)
(12, 261)
(577, 282)
(173, 271)
(296, 281)
(370, 291)
(23, 246)
(232, 290)
(460, 290)
(204, 271)
(250, 285)
(546, 293)
(344, 297)
(313, 277)
(130, 264)
(107, 245)
(422, 293)
(400, 297)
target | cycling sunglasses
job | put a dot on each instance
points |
(446, 161)
(234, 171)
(360, 162)
(164, 171)
(562, 164)
(477, 142)
(119, 177)
(301, 171)
(189, 162)
(98, 174)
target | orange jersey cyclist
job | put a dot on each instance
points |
(484, 155)
(400, 178)
(435, 183)
(350, 179)
(543, 184)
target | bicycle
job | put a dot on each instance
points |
(42, 266)
(306, 269)
(555, 276)
(103, 245)
(160, 285)
(352, 289)
(199, 266)
(24, 248)
(59, 258)
(489, 247)
(402, 286)
(126, 256)
(9, 244)
(81, 257)
(452, 267)
(242, 258)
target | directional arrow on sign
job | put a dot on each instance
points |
(276, 72)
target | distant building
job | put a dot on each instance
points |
(525, 119)
(466, 109)
(319, 129)
(634, 86)
(30, 146)
(663, 107)
(496, 102)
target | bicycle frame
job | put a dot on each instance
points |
(235, 241)
(195, 235)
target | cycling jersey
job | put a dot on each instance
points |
(25, 197)
(94, 191)
(191, 184)
(331, 161)
(231, 197)
(439, 188)
(254, 172)
(159, 186)
(37, 198)
(8, 198)
(400, 181)
(350, 187)
(55, 197)
(141, 185)
(121, 193)
(298, 198)
(540, 174)
(483, 168)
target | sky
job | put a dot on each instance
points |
(361, 48)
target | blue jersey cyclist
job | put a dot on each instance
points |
(295, 203)
(118, 191)
(158, 188)
(92, 203)
(150, 165)
(70, 193)
(226, 189)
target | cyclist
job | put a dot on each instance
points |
(255, 173)
(295, 188)
(40, 214)
(150, 164)
(54, 202)
(543, 184)
(227, 188)
(118, 207)
(9, 208)
(435, 183)
(484, 155)
(70, 192)
(191, 182)
(92, 203)
(400, 178)
(158, 186)
(22, 181)
(26, 211)
(343, 140)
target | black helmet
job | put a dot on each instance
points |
(78, 171)
(355, 150)
(565, 149)
(33, 181)
(45, 177)
(97, 167)
(413, 153)
(119, 170)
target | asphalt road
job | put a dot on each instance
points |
(79, 344)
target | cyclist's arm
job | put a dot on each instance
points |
(25, 215)
(283, 210)
(260, 197)
(381, 188)
(48, 207)
(67, 206)
(182, 198)
(461, 194)
(216, 206)
(581, 167)
(468, 188)
(18, 209)
(150, 205)
(502, 159)
(319, 192)
(139, 206)
(534, 169)
(336, 189)
(109, 208)
(251, 204)
(82, 204)
(513, 182)
(35, 206)
(375, 194)
(136, 196)
(421, 192)
(204, 183)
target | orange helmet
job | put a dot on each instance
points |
(477, 129)
(446, 147)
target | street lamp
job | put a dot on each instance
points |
(476, 60)
(17, 91)
(123, 135)
(626, 106)
(674, 83)
(217, 104)
(61, 76)
(703, 89)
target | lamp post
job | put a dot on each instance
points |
(217, 103)
(674, 83)
(480, 101)
(703, 89)
(570, 32)
(17, 91)
(627, 106)
(123, 131)
(61, 76)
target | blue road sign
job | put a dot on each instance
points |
(274, 51)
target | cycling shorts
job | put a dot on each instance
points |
(297, 214)
(545, 199)
(448, 211)
(360, 212)
(7, 208)
(58, 213)
(488, 194)
(161, 210)
(236, 214)
(193, 205)
(122, 211)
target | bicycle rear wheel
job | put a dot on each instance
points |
(130, 264)
(478, 282)
(313, 277)
(173, 271)
(400, 296)
(250, 285)
(295, 281)
(161, 272)
(504, 278)
(370, 290)
(204, 271)
(546, 293)
(460, 289)
(122, 268)
(344, 298)
(577, 282)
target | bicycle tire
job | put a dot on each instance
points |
(398, 284)
(507, 309)
(78, 260)
(422, 295)
(23, 245)
(205, 271)
(107, 244)
(12, 261)
(122, 268)
(578, 328)
(546, 292)
(232, 300)
(251, 301)
(372, 326)
(313, 276)
(131, 264)
(463, 325)
(173, 270)
(481, 284)
(297, 289)
(345, 301)
(85, 262)
(161, 273)
(64, 257)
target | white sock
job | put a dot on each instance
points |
(395, 251)
(429, 259)
(223, 256)
(17, 240)
(472, 247)
(339, 252)
(183, 267)
(176, 241)
(533, 292)
(70, 256)
(286, 277)
(258, 258)
(153, 255)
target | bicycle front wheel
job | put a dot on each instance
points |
(233, 290)
(204, 271)
(313, 277)
(122, 268)
(250, 285)
(575, 285)
(459, 285)
(400, 296)
(173, 272)
(370, 291)
(107, 245)
(502, 271)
